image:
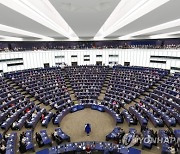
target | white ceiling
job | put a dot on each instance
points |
(85, 16)
(89, 19)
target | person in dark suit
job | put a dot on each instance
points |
(39, 139)
(22, 147)
(143, 127)
(87, 129)
(22, 135)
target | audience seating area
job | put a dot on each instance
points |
(87, 45)
(130, 118)
(47, 85)
(83, 146)
(161, 106)
(11, 143)
(87, 81)
(117, 135)
(15, 108)
(128, 83)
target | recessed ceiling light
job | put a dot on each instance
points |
(127, 12)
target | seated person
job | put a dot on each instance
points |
(33, 115)
(6, 136)
(117, 111)
(143, 128)
(172, 150)
(88, 149)
(42, 117)
(27, 123)
(14, 125)
(135, 119)
(2, 148)
(56, 137)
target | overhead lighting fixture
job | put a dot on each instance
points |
(163, 26)
(22, 32)
(74, 39)
(42, 12)
(8, 38)
(164, 35)
(127, 12)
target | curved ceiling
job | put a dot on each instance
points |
(89, 19)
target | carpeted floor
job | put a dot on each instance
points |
(101, 123)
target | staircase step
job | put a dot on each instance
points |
(101, 96)
(150, 90)
(70, 89)
(103, 91)
(146, 94)
(141, 96)
(157, 84)
(104, 88)
(73, 97)
(76, 102)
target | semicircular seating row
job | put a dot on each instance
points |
(125, 84)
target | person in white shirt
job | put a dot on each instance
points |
(3, 148)
(55, 134)
(23, 140)
(56, 105)
(9, 95)
(33, 115)
(14, 124)
(3, 103)
(172, 150)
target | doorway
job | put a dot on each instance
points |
(46, 65)
(74, 63)
(99, 63)
(126, 63)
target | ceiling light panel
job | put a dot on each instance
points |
(8, 38)
(42, 12)
(22, 32)
(166, 25)
(165, 35)
(126, 13)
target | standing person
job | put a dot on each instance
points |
(87, 129)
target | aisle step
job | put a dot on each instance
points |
(70, 89)
(105, 86)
